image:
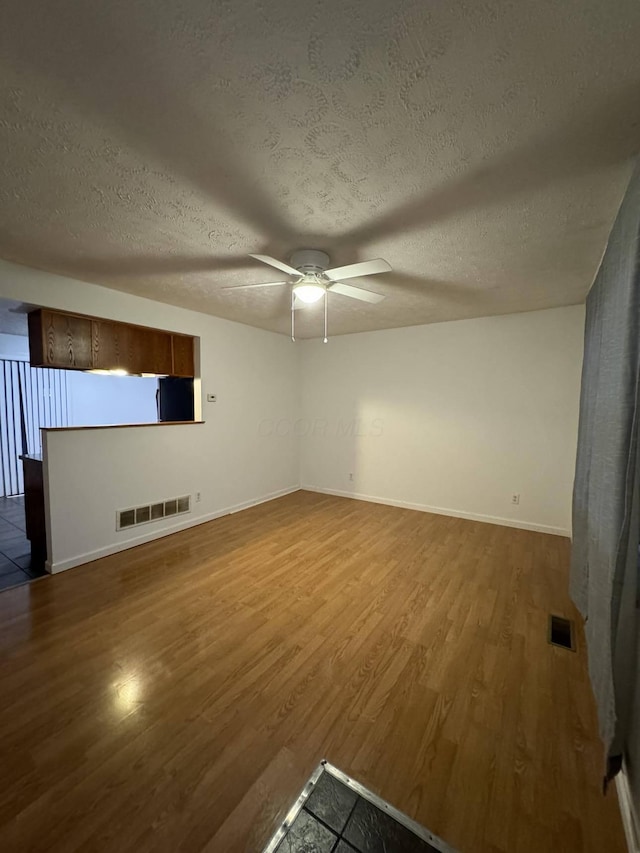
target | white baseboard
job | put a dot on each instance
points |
(124, 544)
(438, 510)
(629, 817)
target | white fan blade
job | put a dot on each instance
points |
(279, 265)
(355, 292)
(356, 270)
(245, 286)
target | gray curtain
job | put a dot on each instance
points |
(606, 509)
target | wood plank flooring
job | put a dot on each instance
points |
(176, 697)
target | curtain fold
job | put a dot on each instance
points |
(606, 498)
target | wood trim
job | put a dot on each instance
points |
(121, 426)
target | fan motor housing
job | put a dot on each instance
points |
(310, 261)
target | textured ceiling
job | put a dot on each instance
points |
(482, 148)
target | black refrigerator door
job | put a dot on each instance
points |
(175, 399)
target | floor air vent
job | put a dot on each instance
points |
(152, 512)
(561, 632)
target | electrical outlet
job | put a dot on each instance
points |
(197, 497)
(515, 498)
(211, 398)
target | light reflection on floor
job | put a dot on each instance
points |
(128, 693)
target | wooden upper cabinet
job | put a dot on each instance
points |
(57, 339)
(183, 359)
(131, 348)
(112, 346)
(153, 351)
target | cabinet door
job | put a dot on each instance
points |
(183, 362)
(153, 351)
(59, 340)
(131, 348)
(112, 346)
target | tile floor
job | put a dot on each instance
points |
(336, 819)
(15, 550)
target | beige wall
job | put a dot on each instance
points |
(451, 417)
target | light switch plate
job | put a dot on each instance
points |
(211, 398)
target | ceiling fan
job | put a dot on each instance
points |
(312, 280)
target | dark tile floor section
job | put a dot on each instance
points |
(307, 835)
(331, 802)
(370, 830)
(15, 549)
(336, 820)
(343, 847)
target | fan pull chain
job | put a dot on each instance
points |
(326, 312)
(293, 314)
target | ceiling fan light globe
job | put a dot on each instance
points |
(309, 293)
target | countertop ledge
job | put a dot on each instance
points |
(122, 426)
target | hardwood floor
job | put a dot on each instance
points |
(176, 697)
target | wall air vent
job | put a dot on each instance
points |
(561, 632)
(147, 513)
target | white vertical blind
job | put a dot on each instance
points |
(45, 403)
